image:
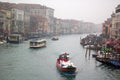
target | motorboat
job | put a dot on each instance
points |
(65, 65)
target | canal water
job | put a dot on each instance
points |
(19, 62)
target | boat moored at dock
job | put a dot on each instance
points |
(14, 38)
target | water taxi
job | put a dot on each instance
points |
(37, 43)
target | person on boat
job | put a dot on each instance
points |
(64, 57)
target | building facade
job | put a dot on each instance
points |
(17, 22)
(115, 29)
(106, 28)
(5, 23)
(27, 19)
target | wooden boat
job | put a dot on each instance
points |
(37, 43)
(103, 57)
(65, 65)
(115, 60)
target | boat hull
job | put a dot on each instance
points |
(55, 39)
(38, 46)
(114, 62)
(38, 43)
(68, 70)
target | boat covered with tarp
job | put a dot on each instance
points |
(65, 65)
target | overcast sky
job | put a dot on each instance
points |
(96, 11)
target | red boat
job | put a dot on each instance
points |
(65, 65)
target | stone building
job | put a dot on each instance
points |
(42, 13)
(115, 29)
(106, 28)
(5, 23)
(17, 22)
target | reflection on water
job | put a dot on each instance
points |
(68, 76)
(109, 72)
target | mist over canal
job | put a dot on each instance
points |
(19, 62)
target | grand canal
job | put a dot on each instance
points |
(19, 62)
